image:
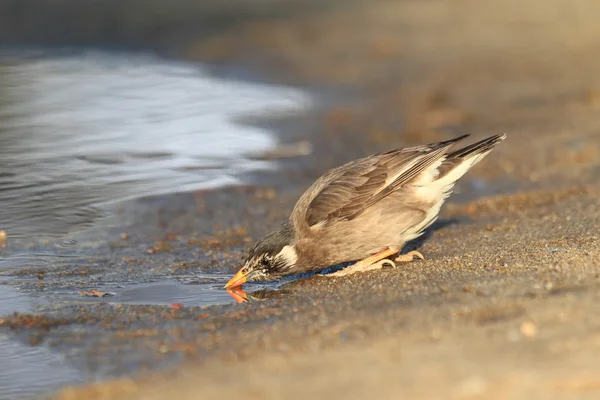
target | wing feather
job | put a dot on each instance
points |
(346, 192)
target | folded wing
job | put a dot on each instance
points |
(346, 192)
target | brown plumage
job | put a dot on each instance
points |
(364, 210)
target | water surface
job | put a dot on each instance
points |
(80, 131)
(27, 371)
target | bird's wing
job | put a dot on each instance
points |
(346, 192)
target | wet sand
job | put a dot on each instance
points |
(505, 304)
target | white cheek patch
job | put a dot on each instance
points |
(288, 255)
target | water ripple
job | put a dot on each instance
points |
(81, 131)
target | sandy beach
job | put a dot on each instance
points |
(505, 304)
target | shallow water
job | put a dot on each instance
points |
(82, 130)
(27, 371)
(170, 292)
(30, 371)
(202, 290)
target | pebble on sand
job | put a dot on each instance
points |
(528, 329)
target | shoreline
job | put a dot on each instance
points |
(506, 297)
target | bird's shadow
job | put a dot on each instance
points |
(440, 224)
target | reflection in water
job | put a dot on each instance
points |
(238, 294)
(241, 296)
(80, 131)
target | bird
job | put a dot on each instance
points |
(365, 211)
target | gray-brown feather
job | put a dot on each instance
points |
(376, 229)
(346, 192)
(455, 158)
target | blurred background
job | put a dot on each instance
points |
(107, 100)
(124, 126)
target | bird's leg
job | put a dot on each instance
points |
(376, 261)
(408, 257)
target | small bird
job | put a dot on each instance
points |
(365, 210)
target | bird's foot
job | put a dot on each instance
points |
(352, 269)
(376, 261)
(410, 256)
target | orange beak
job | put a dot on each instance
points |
(238, 279)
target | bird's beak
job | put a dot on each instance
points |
(238, 279)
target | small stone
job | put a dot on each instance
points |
(528, 329)
(163, 348)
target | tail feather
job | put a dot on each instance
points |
(479, 147)
(436, 183)
(460, 161)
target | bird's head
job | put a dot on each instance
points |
(272, 256)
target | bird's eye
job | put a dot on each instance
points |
(264, 261)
